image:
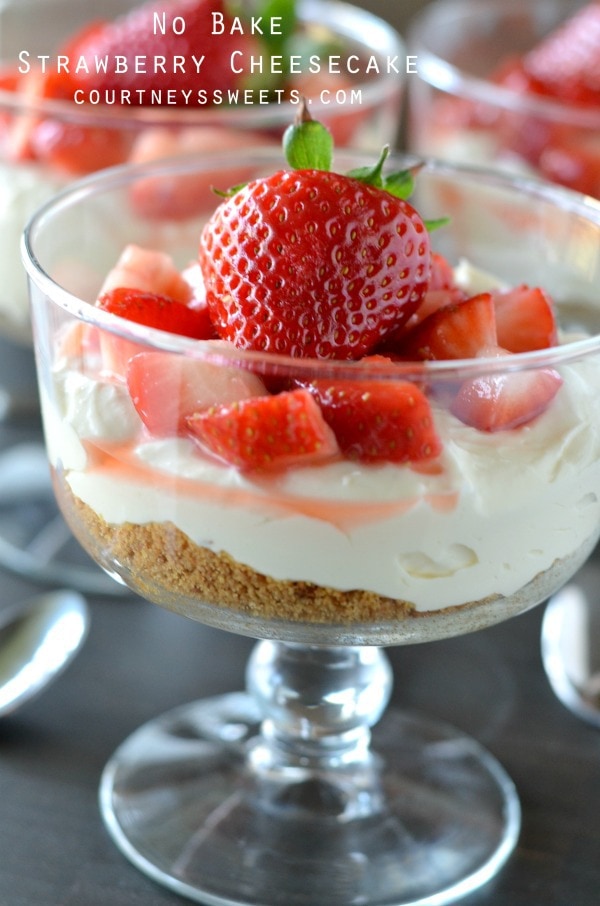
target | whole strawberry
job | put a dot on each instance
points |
(310, 263)
(135, 36)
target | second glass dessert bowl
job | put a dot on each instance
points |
(52, 131)
(297, 791)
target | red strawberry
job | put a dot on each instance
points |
(54, 140)
(167, 389)
(376, 421)
(456, 331)
(266, 432)
(136, 35)
(442, 291)
(76, 149)
(442, 273)
(311, 263)
(61, 83)
(566, 64)
(499, 402)
(158, 311)
(152, 310)
(525, 319)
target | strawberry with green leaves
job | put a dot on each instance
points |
(310, 263)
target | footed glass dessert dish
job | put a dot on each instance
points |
(334, 429)
(86, 87)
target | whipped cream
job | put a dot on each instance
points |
(502, 508)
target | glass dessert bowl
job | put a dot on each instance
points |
(305, 524)
(510, 85)
(54, 128)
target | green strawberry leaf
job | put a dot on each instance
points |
(372, 176)
(400, 183)
(432, 225)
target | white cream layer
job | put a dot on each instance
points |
(523, 498)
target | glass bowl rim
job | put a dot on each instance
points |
(451, 79)
(356, 23)
(224, 353)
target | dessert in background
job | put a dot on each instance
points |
(512, 84)
(86, 87)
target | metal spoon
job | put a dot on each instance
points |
(37, 641)
(571, 644)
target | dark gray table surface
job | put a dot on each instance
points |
(139, 661)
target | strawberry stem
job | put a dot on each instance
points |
(308, 144)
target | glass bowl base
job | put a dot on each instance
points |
(436, 818)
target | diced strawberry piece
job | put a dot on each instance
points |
(175, 196)
(525, 319)
(157, 311)
(10, 77)
(456, 331)
(167, 389)
(442, 273)
(152, 310)
(55, 141)
(266, 432)
(379, 421)
(75, 149)
(573, 160)
(150, 271)
(500, 402)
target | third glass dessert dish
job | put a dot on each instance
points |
(510, 84)
(343, 406)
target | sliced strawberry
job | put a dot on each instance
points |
(499, 402)
(456, 331)
(266, 432)
(525, 319)
(167, 389)
(379, 421)
(152, 310)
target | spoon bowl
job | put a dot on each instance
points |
(570, 642)
(38, 639)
